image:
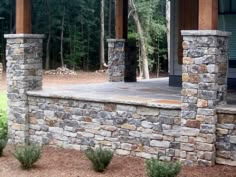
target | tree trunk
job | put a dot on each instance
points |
(102, 59)
(62, 35)
(47, 63)
(168, 30)
(142, 39)
(110, 18)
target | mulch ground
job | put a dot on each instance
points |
(71, 163)
(57, 162)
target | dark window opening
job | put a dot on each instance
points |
(227, 6)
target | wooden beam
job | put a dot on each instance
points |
(23, 16)
(208, 15)
(125, 18)
(121, 19)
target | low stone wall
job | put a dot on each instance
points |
(226, 136)
(129, 129)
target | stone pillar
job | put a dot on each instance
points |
(204, 77)
(24, 73)
(116, 59)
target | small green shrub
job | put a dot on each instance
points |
(27, 155)
(99, 157)
(156, 168)
(3, 124)
(3, 143)
(3, 131)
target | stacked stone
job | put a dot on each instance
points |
(204, 78)
(226, 137)
(116, 60)
(24, 73)
(130, 130)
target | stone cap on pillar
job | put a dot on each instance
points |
(205, 33)
(24, 36)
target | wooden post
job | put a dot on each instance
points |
(208, 14)
(23, 16)
(121, 8)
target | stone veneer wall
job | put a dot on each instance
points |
(226, 137)
(204, 76)
(116, 59)
(131, 130)
(24, 72)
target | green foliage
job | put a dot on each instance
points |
(3, 116)
(3, 143)
(156, 168)
(82, 29)
(3, 101)
(27, 155)
(99, 157)
(3, 124)
(153, 21)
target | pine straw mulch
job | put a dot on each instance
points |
(57, 162)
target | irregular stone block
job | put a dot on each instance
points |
(163, 144)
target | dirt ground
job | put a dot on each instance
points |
(52, 80)
(56, 162)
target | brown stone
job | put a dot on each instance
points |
(88, 119)
(193, 123)
(189, 92)
(51, 123)
(33, 120)
(187, 60)
(222, 67)
(194, 78)
(202, 69)
(226, 119)
(202, 103)
(110, 107)
(128, 126)
(185, 77)
(200, 118)
(109, 128)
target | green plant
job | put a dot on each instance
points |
(156, 168)
(3, 143)
(3, 130)
(99, 157)
(27, 155)
(3, 124)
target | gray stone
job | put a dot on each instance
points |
(207, 128)
(233, 139)
(163, 144)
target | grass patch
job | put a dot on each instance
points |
(3, 101)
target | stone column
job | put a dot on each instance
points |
(24, 73)
(116, 59)
(204, 77)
